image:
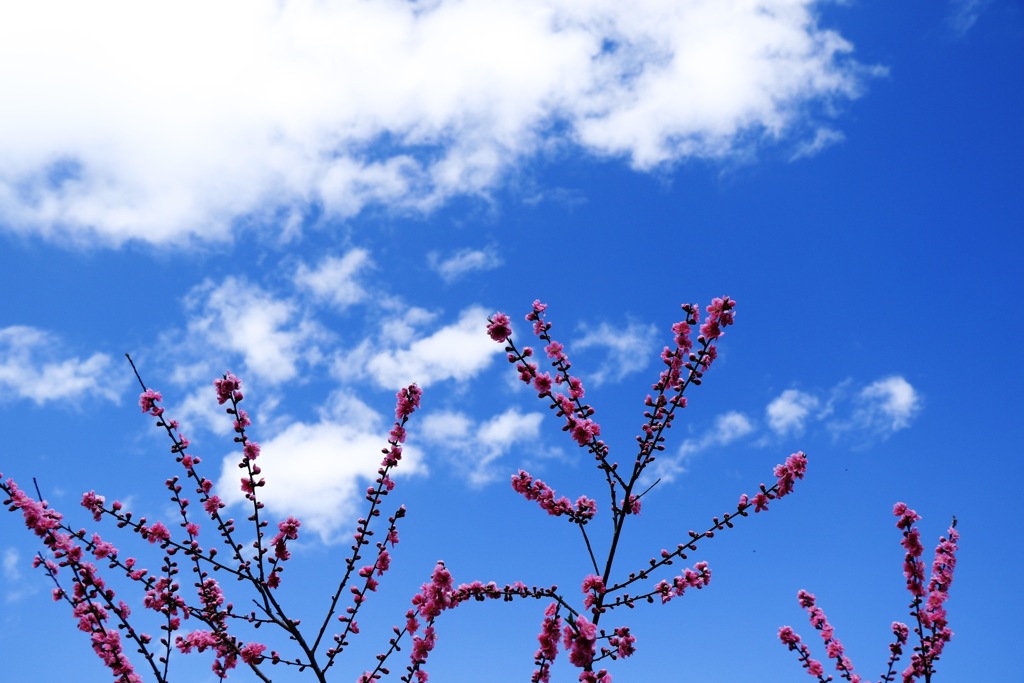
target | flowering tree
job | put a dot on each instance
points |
(568, 623)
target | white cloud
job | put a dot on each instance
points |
(823, 138)
(788, 413)
(334, 279)
(630, 349)
(876, 410)
(15, 588)
(963, 14)
(462, 262)
(319, 471)
(270, 334)
(887, 405)
(727, 428)
(475, 448)
(30, 367)
(11, 564)
(136, 121)
(458, 351)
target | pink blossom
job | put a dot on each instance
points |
(631, 505)
(94, 504)
(499, 327)
(581, 642)
(788, 636)
(102, 549)
(383, 562)
(241, 421)
(593, 586)
(584, 431)
(436, 596)
(287, 530)
(147, 401)
(548, 637)
(794, 468)
(623, 642)
(542, 383)
(156, 533)
(408, 401)
(554, 351)
(227, 388)
(252, 653)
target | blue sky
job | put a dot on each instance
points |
(329, 199)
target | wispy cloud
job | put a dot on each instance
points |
(457, 351)
(726, 429)
(628, 347)
(10, 567)
(262, 112)
(874, 411)
(887, 405)
(476, 447)
(270, 333)
(11, 564)
(788, 413)
(823, 138)
(335, 279)
(863, 416)
(463, 261)
(962, 15)
(33, 366)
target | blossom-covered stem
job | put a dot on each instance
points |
(407, 402)
(379, 566)
(439, 595)
(813, 666)
(89, 588)
(211, 503)
(227, 389)
(928, 604)
(127, 676)
(661, 417)
(900, 632)
(380, 669)
(571, 407)
(350, 563)
(720, 315)
(833, 646)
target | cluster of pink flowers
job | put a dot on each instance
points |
(287, 530)
(583, 430)
(698, 577)
(550, 631)
(92, 601)
(534, 489)
(927, 608)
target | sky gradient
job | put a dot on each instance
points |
(329, 199)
